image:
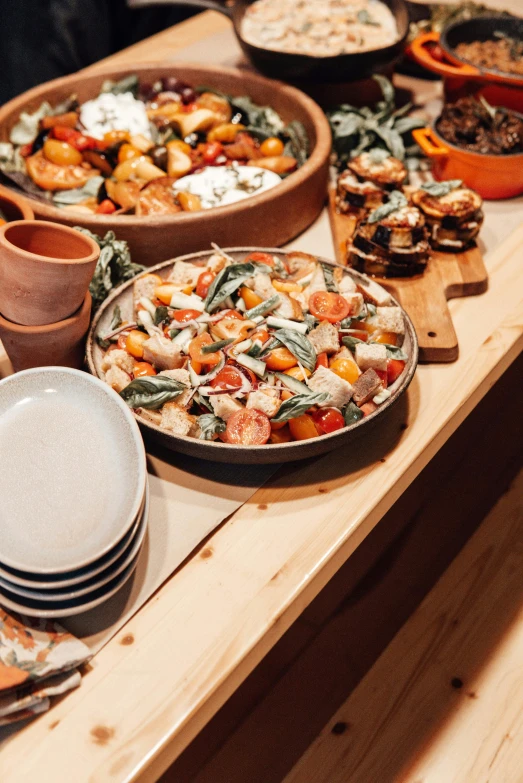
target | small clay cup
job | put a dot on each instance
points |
(59, 344)
(14, 207)
(45, 271)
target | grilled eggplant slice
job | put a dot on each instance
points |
(375, 266)
(414, 254)
(453, 220)
(388, 174)
(353, 195)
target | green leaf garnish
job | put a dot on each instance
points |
(299, 404)
(152, 392)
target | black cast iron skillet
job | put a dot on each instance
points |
(301, 67)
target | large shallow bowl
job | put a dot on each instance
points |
(224, 452)
(274, 216)
(74, 473)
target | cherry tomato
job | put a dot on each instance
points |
(248, 427)
(359, 334)
(134, 343)
(346, 368)
(229, 377)
(212, 151)
(282, 435)
(328, 419)
(386, 337)
(127, 152)
(143, 369)
(383, 375)
(244, 371)
(368, 407)
(249, 297)
(233, 314)
(195, 350)
(328, 306)
(122, 339)
(183, 316)
(64, 133)
(260, 334)
(106, 207)
(272, 147)
(61, 153)
(204, 282)
(260, 258)
(82, 143)
(26, 150)
(322, 360)
(51, 176)
(394, 369)
(303, 427)
(280, 359)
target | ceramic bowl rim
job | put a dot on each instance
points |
(59, 228)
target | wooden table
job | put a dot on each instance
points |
(157, 683)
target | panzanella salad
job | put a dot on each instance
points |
(151, 149)
(272, 349)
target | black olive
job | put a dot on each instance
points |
(382, 236)
(159, 156)
(172, 84)
(188, 95)
(38, 143)
(418, 235)
(355, 199)
(102, 193)
(195, 138)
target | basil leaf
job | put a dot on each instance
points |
(351, 342)
(116, 320)
(152, 392)
(299, 404)
(393, 352)
(299, 345)
(226, 283)
(217, 346)
(352, 414)
(441, 188)
(346, 323)
(311, 321)
(103, 343)
(161, 314)
(113, 268)
(328, 275)
(371, 309)
(76, 195)
(298, 144)
(396, 201)
(210, 425)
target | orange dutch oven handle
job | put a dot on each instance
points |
(423, 56)
(429, 143)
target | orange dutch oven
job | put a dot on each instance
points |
(462, 77)
(492, 176)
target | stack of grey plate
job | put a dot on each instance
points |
(74, 499)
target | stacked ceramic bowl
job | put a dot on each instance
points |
(73, 492)
(45, 305)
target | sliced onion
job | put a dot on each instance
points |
(120, 329)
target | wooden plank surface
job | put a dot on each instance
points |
(445, 700)
(159, 681)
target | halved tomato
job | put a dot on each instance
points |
(229, 377)
(157, 198)
(248, 427)
(204, 282)
(184, 316)
(260, 258)
(195, 350)
(328, 306)
(51, 176)
(328, 419)
(394, 369)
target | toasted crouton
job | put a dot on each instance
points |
(184, 273)
(184, 377)
(117, 357)
(390, 319)
(117, 378)
(176, 419)
(289, 308)
(301, 298)
(263, 286)
(155, 417)
(325, 338)
(346, 285)
(339, 390)
(373, 293)
(366, 387)
(224, 405)
(217, 262)
(355, 302)
(162, 353)
(317, 282)
(264, 401)
(371, 355)
(144, 286)
(300, 264)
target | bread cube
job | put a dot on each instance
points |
(371, 355)
(339, 390)
(325, 338)
(264, 401)
(162, 353)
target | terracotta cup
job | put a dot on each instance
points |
(61, 343)
(14, 207)
(45, 271)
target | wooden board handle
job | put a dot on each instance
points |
(424, 300)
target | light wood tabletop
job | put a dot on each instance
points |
(161, 678)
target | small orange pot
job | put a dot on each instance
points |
(45, 271)
(14, 207)
(59, 344)
(492, 176)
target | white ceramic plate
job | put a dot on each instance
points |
(70, 578)
(74, 471)
(94, 584)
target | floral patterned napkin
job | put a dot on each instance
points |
(38, 659)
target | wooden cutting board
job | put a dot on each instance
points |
(425, 297)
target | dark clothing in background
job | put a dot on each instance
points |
(43, 39)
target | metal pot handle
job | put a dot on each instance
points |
(209, 5)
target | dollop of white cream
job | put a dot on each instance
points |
(217, 186)
(114, 112)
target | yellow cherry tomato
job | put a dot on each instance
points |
(226, 132)
(346, 368)
(249, 297)
(128, 152)
(134, 343)
(298, 373)
(386, 337)
(285, 287)
(303, 427)
(366, 327)
(280, 435)
(143, 369)
(114, 136)
(61, 153)
(272, 147)
(280, 359)
(165, 293)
